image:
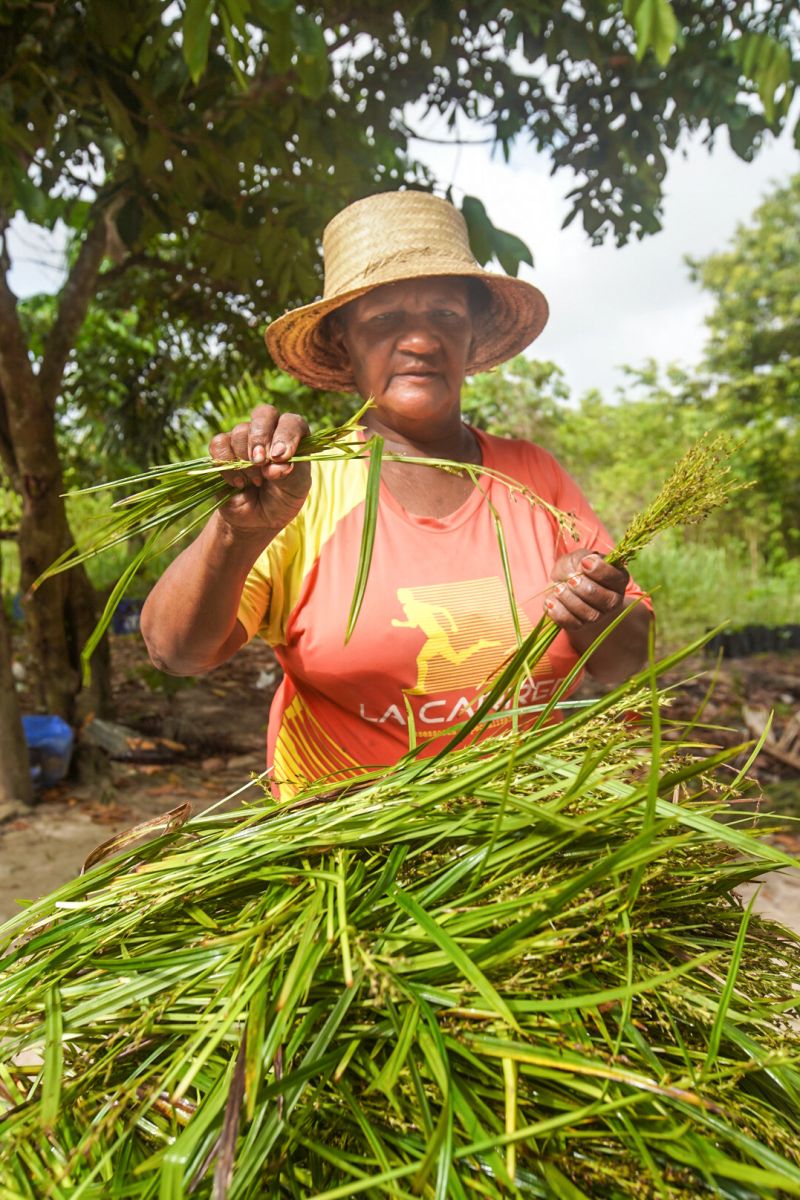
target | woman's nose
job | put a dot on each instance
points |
(417, 337)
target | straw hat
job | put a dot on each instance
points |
(390, 237)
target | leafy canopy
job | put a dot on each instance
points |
(214, 139)
(237, 127)
(752, 360)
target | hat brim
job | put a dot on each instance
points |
(517, 314)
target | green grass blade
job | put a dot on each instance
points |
(726, 995)
(458, 957)
(117, 593)
(367, 532)
(53, 1058)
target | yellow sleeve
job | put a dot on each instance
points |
(273, 587)
(262, 608)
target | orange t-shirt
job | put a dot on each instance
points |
(435, 623)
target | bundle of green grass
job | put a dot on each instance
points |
(518, 969)
(515, 968)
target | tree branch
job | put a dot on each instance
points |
(76, 295)
(17, 380)
(152, 263)
(408, 132)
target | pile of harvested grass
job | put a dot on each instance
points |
(515, 970)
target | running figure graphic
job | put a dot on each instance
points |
(437, 644)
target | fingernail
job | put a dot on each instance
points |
(589, 562)
(548, 604)
(558, 589)
(277, 449)
(574, 580)
(259, 454)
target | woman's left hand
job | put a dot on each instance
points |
(587, 590)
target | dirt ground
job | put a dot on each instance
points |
(218, 725)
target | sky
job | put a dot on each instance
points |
(612, 306)
(608, 306)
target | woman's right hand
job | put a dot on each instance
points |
(271, 493)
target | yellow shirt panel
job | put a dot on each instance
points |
(273, 587)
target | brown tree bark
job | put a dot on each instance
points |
(60, 615)
(15, 776)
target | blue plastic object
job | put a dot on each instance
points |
(126, 616)
(50, 741)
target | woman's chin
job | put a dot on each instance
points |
(416, 400)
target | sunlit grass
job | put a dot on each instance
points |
(515, 967)
(696, 586)
(518, 971)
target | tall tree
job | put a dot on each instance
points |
(751, 364)
(197, 148)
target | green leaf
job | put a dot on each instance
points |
(391, 1069)
(510, 251)
(458, 957)
(313, 74)
(53, 1058)
(309, 38)
(30, 199)
(656, 26)
(479, 228)
(313, 68)
(367, 533)
(560, 1186)
(196, 36)
(487, 241)
(715, 1036)
(235, 51)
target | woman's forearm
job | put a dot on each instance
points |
(623, 652)
(189, 620)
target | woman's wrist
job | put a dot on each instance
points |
(232, 539)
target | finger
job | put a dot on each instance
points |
(568, 610)
(289, 432)
(273, 471)
(591, 594)
(221, 450)
(566, 565)
(260, 432)
(239, 436)
(240, 444)
(595, 567)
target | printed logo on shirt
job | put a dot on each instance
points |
(445, 712)
(469, 631)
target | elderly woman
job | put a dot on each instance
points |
(407, 314)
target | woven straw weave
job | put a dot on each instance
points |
(384, 239)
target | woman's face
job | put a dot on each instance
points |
(409, 344)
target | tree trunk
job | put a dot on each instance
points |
(60, 615)
(15, 775)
